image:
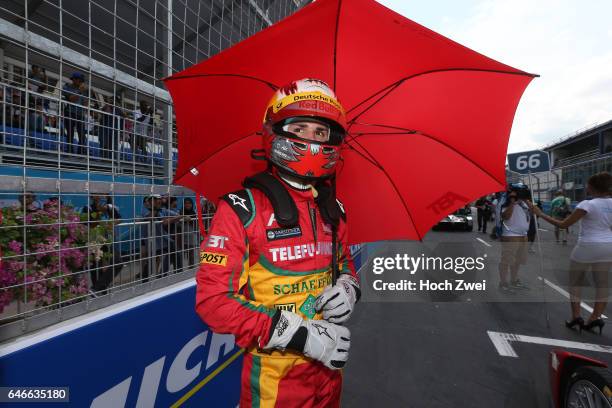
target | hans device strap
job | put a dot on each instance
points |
(285, 211)
(330, 207)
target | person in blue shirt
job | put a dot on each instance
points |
(162, 245)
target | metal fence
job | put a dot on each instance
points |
(87, 143)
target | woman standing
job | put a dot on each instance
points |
(593, 249)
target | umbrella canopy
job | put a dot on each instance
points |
(429, 119)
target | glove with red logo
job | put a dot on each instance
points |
(337, 302)
(320, 340)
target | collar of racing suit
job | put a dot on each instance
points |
(301, 187)
(295, 183)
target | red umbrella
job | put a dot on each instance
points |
(429, 118)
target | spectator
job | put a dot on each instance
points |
(28, 202)
(93, 210)
(515, 221)
(146, 206)
(560, 208)
(145, 215)
(37, 82)
(36, 119)
(75, 95)
(592, 250)
(175, 230)
(483, 212)
(16, 106)
(208, 210)
(190, 229)
(142, 129)
(163, 243)
(110, 213)
(110, 210)
(111, 123)
(37, 79)
(164, 201)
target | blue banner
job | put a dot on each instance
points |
(151, 351)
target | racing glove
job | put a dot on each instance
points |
(320, 340)
(336, 303)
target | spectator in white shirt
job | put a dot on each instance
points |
(142, 129)
(515, 219)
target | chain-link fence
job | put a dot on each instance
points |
(88, 147)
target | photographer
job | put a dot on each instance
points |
(516, 218)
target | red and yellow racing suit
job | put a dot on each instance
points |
(248, 272)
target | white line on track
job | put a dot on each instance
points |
(542, 229)
(567, 296)
(484, 242)
(502, 343)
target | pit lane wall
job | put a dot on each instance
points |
(150, 351)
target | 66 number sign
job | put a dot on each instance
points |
(533, 161)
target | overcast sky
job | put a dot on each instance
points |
(567, 42)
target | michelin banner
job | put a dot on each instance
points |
(151, 351)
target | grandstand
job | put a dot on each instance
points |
(577, 156)
(574, 158)
(88, 142)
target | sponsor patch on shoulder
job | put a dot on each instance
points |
(213, 258)
(283, 233)
(289, 307)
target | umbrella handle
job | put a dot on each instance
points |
(334, 254)
(335, 271)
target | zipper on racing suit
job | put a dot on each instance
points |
(313, 220)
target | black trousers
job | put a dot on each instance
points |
(483, 217)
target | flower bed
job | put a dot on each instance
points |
(41, 261)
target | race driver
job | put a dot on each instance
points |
(270, 284)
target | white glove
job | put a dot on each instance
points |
(327, 342)
(337, 302)
(283, 330)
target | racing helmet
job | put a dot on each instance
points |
(309, 100)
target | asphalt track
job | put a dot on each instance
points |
(439, 354)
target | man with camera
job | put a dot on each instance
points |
(515, 221)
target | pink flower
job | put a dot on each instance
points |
(15, 246)
(14, 266)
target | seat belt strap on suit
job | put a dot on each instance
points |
(285, 210)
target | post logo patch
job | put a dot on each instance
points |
(213, 258)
